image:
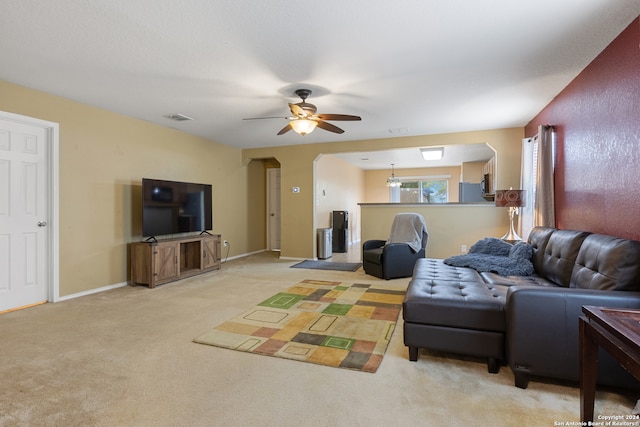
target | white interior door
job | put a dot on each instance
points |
(24, 213)
(273, 209)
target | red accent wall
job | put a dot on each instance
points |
(597, 120)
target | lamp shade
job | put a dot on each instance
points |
(509, 198)
(303, 126)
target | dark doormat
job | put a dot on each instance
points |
(328, 265)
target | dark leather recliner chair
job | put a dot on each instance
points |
(396, 257)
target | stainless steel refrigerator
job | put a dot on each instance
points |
(470, 192)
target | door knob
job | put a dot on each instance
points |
(42, 223)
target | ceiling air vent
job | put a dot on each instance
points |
(178, 117)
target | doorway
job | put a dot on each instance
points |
(28, 211)
(273, 209)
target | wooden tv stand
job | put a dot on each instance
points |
(163, 261)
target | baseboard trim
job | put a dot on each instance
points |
(123, 284)
(243, 255)
(289, 258)
(90, 292)
(9, 310)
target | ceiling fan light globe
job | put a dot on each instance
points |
(303, 126)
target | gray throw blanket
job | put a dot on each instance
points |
(409, 228)
(496, 256)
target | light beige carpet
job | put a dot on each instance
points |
(126, 357)
(339, 324)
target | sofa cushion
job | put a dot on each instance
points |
(436, 269)
(560, 255)
(456, 304)
(533, 280)
(607, 263)
(538, 239)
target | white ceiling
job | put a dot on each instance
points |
(405, 158)
(407, 67)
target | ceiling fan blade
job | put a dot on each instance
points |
(344, 117)
(297, 110)
(329, 127)
(285, 129)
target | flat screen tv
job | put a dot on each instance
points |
(172, 207)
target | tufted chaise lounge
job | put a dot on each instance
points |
(530, 322)
(452, 309)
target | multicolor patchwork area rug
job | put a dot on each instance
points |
(345, 325)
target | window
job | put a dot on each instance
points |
(421, 190)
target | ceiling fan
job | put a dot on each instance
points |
(305, 119)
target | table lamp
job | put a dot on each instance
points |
(512, 199)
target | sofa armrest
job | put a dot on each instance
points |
(542, 327)
(399, 259)
(373, 244)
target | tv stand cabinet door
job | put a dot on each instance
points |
(211, 252)
(165, 262)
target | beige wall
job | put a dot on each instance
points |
(340, 187)
(297, 169)
(449, 226)
(472, 172)
(103, 157)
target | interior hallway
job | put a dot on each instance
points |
(353, 254)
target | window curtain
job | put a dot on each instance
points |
(538, 165)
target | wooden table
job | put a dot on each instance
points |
(617, 331)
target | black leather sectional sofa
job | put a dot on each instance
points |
(528, 322)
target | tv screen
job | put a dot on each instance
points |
(171, 207)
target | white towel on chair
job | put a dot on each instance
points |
(408, 228)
